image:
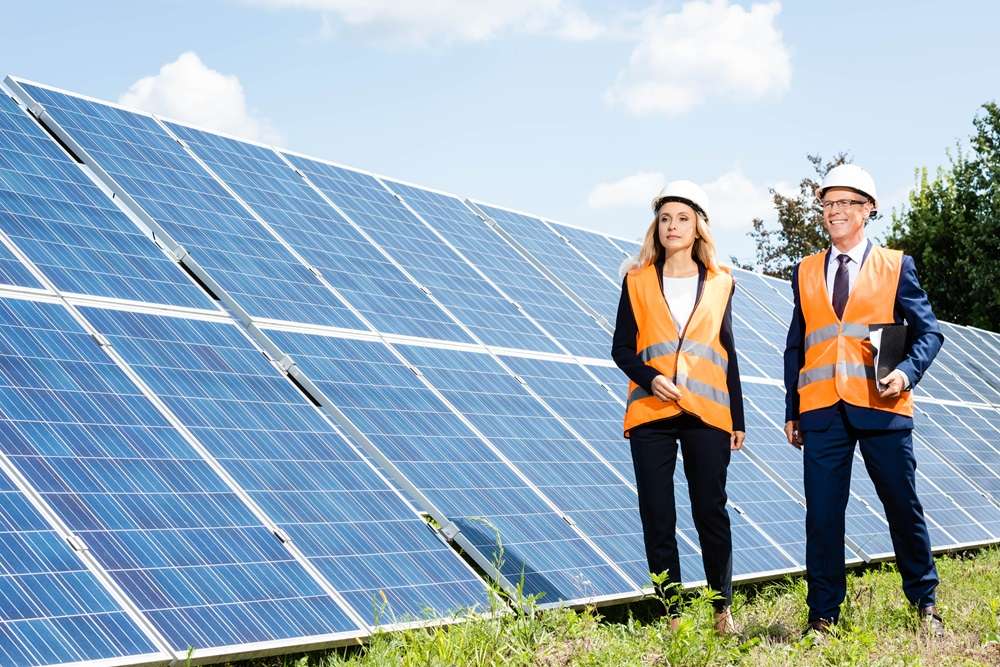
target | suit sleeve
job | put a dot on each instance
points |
(623, 344)
(794, 352)
(924, 338)
(733, 372)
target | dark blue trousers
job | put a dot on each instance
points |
(888, 455)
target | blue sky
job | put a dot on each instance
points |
(575, 111)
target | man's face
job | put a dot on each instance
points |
(844, 215)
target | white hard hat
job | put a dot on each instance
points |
(686, 191)
(849, 176)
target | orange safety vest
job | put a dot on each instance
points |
(696, 362)
(839, 359)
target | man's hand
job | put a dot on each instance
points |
(793, 434)
(736, 440)
(894, 383)
(664, 389)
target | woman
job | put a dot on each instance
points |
(674, 341)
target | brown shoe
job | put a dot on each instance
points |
(819, 627)
(931, 621)
(724, 623)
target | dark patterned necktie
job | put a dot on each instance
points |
(841, 286)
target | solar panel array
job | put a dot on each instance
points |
(253, 401)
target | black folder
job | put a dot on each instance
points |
(890, 350)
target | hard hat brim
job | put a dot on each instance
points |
(660, 201)
(820, 191)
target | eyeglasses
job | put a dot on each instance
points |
(842, 204)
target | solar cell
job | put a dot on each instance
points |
(336, 509)
(179, 196)
(456, 280)
(154, 514)
(493, 506)
(53, 609)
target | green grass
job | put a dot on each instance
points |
(877, 628)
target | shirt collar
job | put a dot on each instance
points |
(857, 253)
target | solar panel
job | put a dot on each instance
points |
(765, 293)
(322, 236)
(757, 348)
(596, 247)
(455, 279)
(591, 412)
(576, 480)
(71, 230)
(53, 609)
(520, 280)
(629, 248)
(346, 519)
(576, 274)
(492, 504)
(971, 365)
(154, 514)
(954, 443)
(179, 196)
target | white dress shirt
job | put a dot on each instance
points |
(857, 255)
(680, 294)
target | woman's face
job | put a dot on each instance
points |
(677, 224)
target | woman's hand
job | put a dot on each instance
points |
(664, 389)
(736, 440)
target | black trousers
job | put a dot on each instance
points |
(706, 458)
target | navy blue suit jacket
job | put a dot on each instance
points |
(924, 339)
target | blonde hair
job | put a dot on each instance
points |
(703, 250)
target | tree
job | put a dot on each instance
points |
(951, 228)
(800, 229)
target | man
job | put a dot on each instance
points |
(833, 401)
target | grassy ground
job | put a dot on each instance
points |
(877, 628)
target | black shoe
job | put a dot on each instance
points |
(930, 621)
(819, 627)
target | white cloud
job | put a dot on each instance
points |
(453, 20)
(628, 191)
(709, 49)
(187, 90)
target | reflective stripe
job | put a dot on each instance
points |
(856, 330)
(658, 350)
(831, 330)
(822, 334)
(636, 395)
(699, 388)
(705, 352)
(704, 390)
(827, 372)
(807, 377)
(856, 370)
